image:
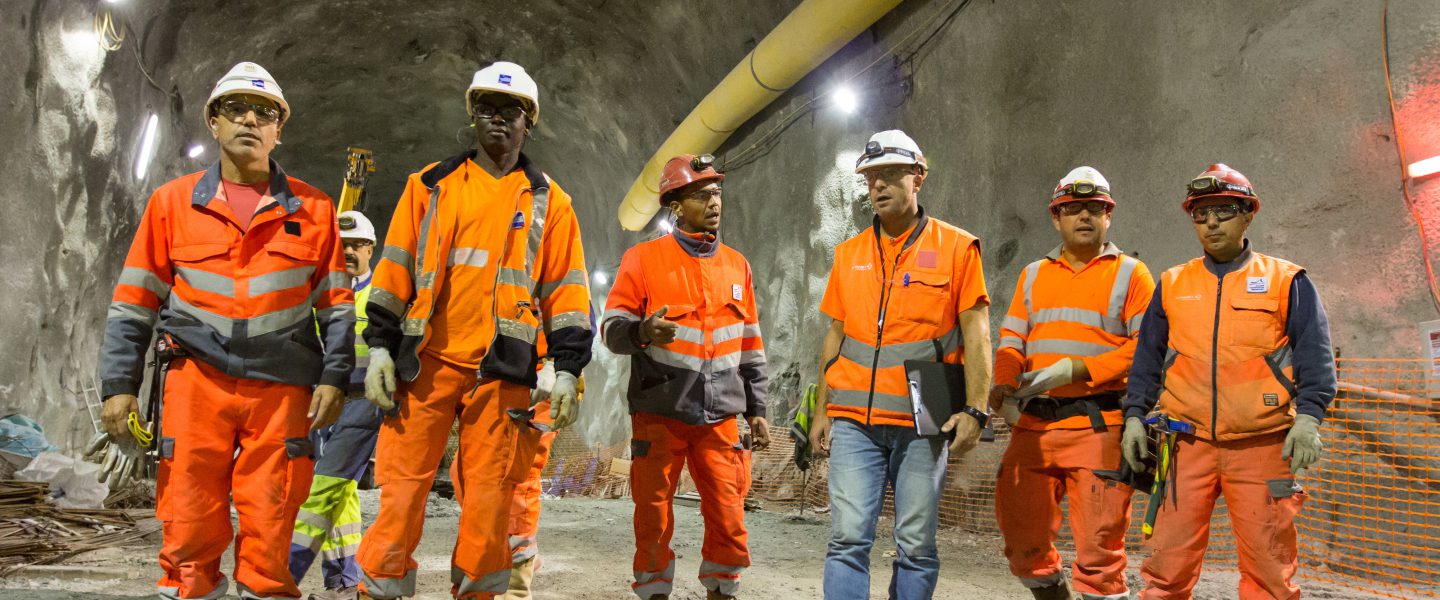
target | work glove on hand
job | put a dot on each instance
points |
(1133, 444)
(121, 459)
(1010, 411)
(1039, 381)
(1302, 444)
(564, 401)
(544, 382)
(380, 379)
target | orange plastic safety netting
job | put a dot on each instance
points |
(1372, 521)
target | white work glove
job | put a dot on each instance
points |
(1039, 381)
(544, 382)
(1133, 444)
(564, 401)
(380, 379)
(121, 460)
(1010, 410)
(1302, 444)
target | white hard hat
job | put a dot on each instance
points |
(891, 147)
(1081, 183)
(249, 78)
(354, 226)
(505, 78)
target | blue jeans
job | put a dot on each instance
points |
(863, 460)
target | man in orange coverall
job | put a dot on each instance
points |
(237, 265)
(683, 309)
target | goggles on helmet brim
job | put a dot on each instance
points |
(1210, 185)
(1081, 189)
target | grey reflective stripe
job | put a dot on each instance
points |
(1032, 271)
(305, 540)
(1278, 361)
(1121, 288)
(520, 541)
(398, 256)
(515, 329)
(131, 312)
(221, 325)
(751, 357)
(514, 277)
(675, 359)
(649, 583)
(574, 277)
(314, 520)
(523, 554)
(1016, 324)
(689, 334)
(861, 399)
(725, 362)
(617, 313)
(206, 281)
(386, 300)
(339, 311)
(724, 578)
(496, 582)
(752, 330)
(143, 278)
(1089, 596)
(283, 280)
(1066, 347)
(335, 280)
(569, 319)
(1010, 341)
(894, 355)
(420, 244)
(340, 531)
(540, 207)
(1078, 316)
(468, 257)
(221, 589)
(1043, 581)
(339, 552)
(389, 588)
(707, 567)
(727, 333)
(275, 321)
(1133, 326)
(413, 326)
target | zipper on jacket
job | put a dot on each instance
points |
(1215, 363)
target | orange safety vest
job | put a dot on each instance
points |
(895, 307)
(1227, 367)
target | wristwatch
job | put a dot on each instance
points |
(982, 417)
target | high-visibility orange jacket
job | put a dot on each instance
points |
(715, 368)
(900, 299)
(474, 268)
(1092, 314)
(1227, 365)
(245, 301)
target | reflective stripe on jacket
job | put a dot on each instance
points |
(245, 301)
(901, 305)
(1093, 314)
(1227, 363)
(715, 368)
(475, 268)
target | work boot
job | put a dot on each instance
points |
(1059, 591)
(714, 595)
(520, 577)
(349, 593)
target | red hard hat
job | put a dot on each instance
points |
(686, 169)
(1220, 180)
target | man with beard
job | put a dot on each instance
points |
(482, 257)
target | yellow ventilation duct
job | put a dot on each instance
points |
(808, 36)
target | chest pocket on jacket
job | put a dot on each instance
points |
(194, 253)
(924, 301)
(296, 252)
(1257, 321)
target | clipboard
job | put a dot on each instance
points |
(937, 391)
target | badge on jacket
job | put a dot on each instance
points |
(737, 292)
(518, 221)
(1257, 285)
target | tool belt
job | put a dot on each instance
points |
(1056, 409)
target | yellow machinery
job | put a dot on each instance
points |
(360, 163)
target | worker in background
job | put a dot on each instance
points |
(482, 256)
(236, 266)
(1065, 349)
(1236, 344)
(908, 288)
(329, 521)
(683, 309)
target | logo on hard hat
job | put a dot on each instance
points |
(505, 79)
(259, 83)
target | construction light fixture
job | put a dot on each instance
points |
(195, 151)
(147, 146)
(1424, 168)
(600, 277)
(845, 99)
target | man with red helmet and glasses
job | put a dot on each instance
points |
(1236, 345)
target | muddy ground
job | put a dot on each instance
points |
(586, 545)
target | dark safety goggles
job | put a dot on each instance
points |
(1213, 185)
(1094, 207)
(702, 162)
(236, 109)
(509, 112)
(1222, 212)
(875, 150)
(1081, 189)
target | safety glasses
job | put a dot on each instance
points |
(1222, 212)
(704, 195)
(1213, 185)
(1094, 207)
(509, 112)
(236, 109)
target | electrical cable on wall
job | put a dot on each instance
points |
(1400, 154)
